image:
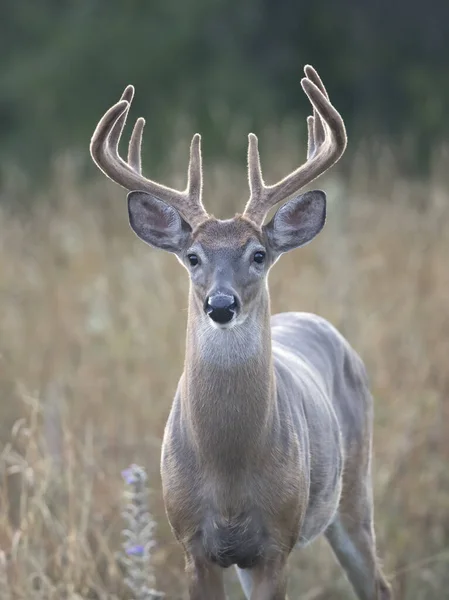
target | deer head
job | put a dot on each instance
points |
(227, 260)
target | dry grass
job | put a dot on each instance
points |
(91, 346)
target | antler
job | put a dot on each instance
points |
(104, 151)
(326, 144)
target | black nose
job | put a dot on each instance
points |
(221, 308)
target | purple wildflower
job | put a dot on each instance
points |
(136, 550)
(138, 534)
(134, 474)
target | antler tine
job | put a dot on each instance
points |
(104, 152)
(317, 130)
(256, 183)
(99, 144)
(195, 180)
(326, 144)
(117, 128)
(333, 124)
(311, 74)
(135, 145)
(311, 140)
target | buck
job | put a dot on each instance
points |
(268, 442)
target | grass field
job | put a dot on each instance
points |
(91, 346)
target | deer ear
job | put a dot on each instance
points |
(297, 222)
(157, 223)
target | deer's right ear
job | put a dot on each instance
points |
(157, 223)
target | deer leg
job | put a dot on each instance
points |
(205, 580)
(269, 581)
(354, 545)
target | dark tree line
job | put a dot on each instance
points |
(215, 63)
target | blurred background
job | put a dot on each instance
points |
(92, 321)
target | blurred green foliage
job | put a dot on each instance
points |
(219, 65)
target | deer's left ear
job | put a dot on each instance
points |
(297, 222)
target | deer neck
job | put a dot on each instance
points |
(228, 388)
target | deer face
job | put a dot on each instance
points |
(227, 261)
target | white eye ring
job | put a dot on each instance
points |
(193, 259)
(259, 257)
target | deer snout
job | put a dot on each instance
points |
(221, 308)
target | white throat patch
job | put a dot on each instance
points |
(230, 346)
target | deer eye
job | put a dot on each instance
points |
(193, 259)
(259, 257)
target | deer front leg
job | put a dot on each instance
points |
(205, 580)
(269, 580)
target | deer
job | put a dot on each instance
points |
(268, 443)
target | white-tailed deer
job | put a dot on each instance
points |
(268, 443)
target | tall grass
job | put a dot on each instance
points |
(91, 346)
